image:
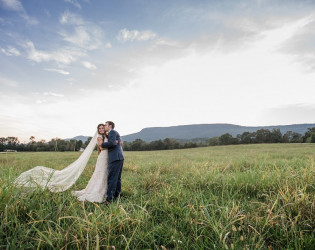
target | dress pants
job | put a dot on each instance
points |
(114, 179)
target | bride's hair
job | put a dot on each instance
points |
(103, 135)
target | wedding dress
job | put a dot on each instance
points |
(61, 180)
(96, 189)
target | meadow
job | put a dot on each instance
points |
(225, 197)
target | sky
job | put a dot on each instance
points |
(68, 65)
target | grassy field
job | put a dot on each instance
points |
(225, 197)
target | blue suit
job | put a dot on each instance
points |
(115, 164)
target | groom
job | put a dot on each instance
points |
(115, 161)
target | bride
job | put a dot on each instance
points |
(61, 180)
(96, 189)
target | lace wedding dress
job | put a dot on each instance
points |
(96, 189)
(61, 180)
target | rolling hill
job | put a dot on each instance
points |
(188, 132)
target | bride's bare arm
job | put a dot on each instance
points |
(99, 143)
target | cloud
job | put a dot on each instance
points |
(292, 113)
(41, 101)
(131, 35)
(81, 37)
(108, 45)
(14, 5)
(275, 38)
(53, 94)
(86, 35)
(71, 18)
(8, 82)
(74, 2)
(62, 56)
(10, 51)
(167, 42)
(301, 44)
(89, 65)
(30, 20)
(60, 71)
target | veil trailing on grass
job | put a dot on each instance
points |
(57, 180)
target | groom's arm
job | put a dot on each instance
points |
(111, 141)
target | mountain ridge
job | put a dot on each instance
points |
(193, 131)
(207, 131)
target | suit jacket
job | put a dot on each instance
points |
(115, 152)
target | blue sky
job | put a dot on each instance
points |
(67, 65)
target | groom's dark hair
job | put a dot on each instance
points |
(110, 123)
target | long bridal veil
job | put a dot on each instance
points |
(57, 180)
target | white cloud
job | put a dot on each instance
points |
(53, 94)
(30, 20)
(274, 38)
(74, 2)
(71, 18)
(41, 101)
(8, 82)
(63, 56)
(86, 35)
(108, 45)
(292, 113)
(60, 71)
(81, 37)
(10, 51)
(131, 35)
(14, 5)
(89, 65)
(167, 42)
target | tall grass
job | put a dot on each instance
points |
(227, 197)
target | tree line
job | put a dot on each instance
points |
(56, 144)
(259, 136)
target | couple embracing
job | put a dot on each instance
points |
(105, 183)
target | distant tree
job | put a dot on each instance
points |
(32, 139)
(2, 143)
(292, 137)
(71, 145)
(78, 145)
(11, 142)
(138, 145)
(308, 134)
(126, 146)
(87, 142)
(170, 143)
(275, 136)
(190, 145)
(214, 141)
(156, 145)
(263, 136)
(40, 146)
(287, 137)
(227, 139)
(247, 138)
(296, 138)
(3, 140)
